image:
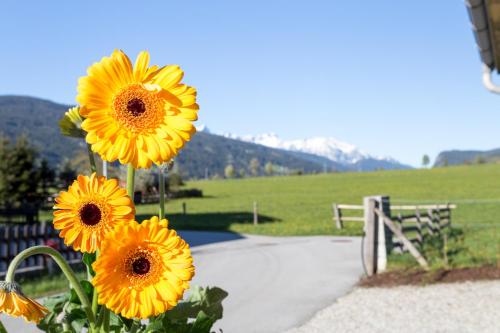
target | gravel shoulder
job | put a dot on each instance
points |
(453, 307)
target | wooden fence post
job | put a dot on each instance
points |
(430, 225)
(384, 234)
(370, 246)
(337, 216)
(411, 248)
(438, 221)
(420, 236)
(255, 214)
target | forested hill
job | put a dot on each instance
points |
(37, 119)
(456, 157)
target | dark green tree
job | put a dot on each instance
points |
(67, 174)
(47, 177)
(229, 171)
(19, 177)
(425, 160)
(254, 166)
(268, 168)
(174, 181)
(242, 173)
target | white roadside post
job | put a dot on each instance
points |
(377, 235)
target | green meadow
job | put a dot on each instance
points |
(301, 205)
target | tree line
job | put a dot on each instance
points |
(25, 178)
(255, 169)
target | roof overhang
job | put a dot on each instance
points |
(485, 18)
(478, 14)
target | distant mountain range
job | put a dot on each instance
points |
(457, 157)
(345, 154)
(206, 154)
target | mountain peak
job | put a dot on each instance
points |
(328, 147)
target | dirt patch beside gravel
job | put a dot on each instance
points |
(419, 277)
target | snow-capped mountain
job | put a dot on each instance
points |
(330, 148)
(342, 153)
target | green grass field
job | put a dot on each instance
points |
(301, 205)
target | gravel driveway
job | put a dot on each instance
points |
(456, 307)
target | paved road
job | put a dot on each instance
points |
(274, 283)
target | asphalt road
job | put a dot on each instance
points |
(274, 283)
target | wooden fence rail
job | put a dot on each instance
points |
(399, 228)
(339, 217)
(16, 237)
(427, 221)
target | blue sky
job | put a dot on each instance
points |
(398, 78)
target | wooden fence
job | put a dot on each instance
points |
(399, 228)
(16, 237)
(339, 217)
(27, 214)
(421, 222)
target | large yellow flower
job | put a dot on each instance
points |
(13, 302)
(137, 114)
(143, 269)
(90, 208)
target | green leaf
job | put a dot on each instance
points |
(79, 324)
(88, 288)
(73, 298)
(203, 323)
(204, 306)
(88, 259)
(213, 302)
(77, 314)
(126, 322)
(56, 303)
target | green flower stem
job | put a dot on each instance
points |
(94, 293)
(68, 272)
(100, 317)
(130, 191)
(93, 167)
(135, 326)
(2, 328)
(105, 326)
(130, 181)
(161, 180)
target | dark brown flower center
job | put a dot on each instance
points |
(136, 107)
(90, 214)
(141, 266)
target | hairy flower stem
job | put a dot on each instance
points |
(130, 181)
(161, 180)
(93, 167)
(66, 269)
(94, 293)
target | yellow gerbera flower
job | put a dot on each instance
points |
(90, 208)
(137, 114)
(143, 269)
(13, 302)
